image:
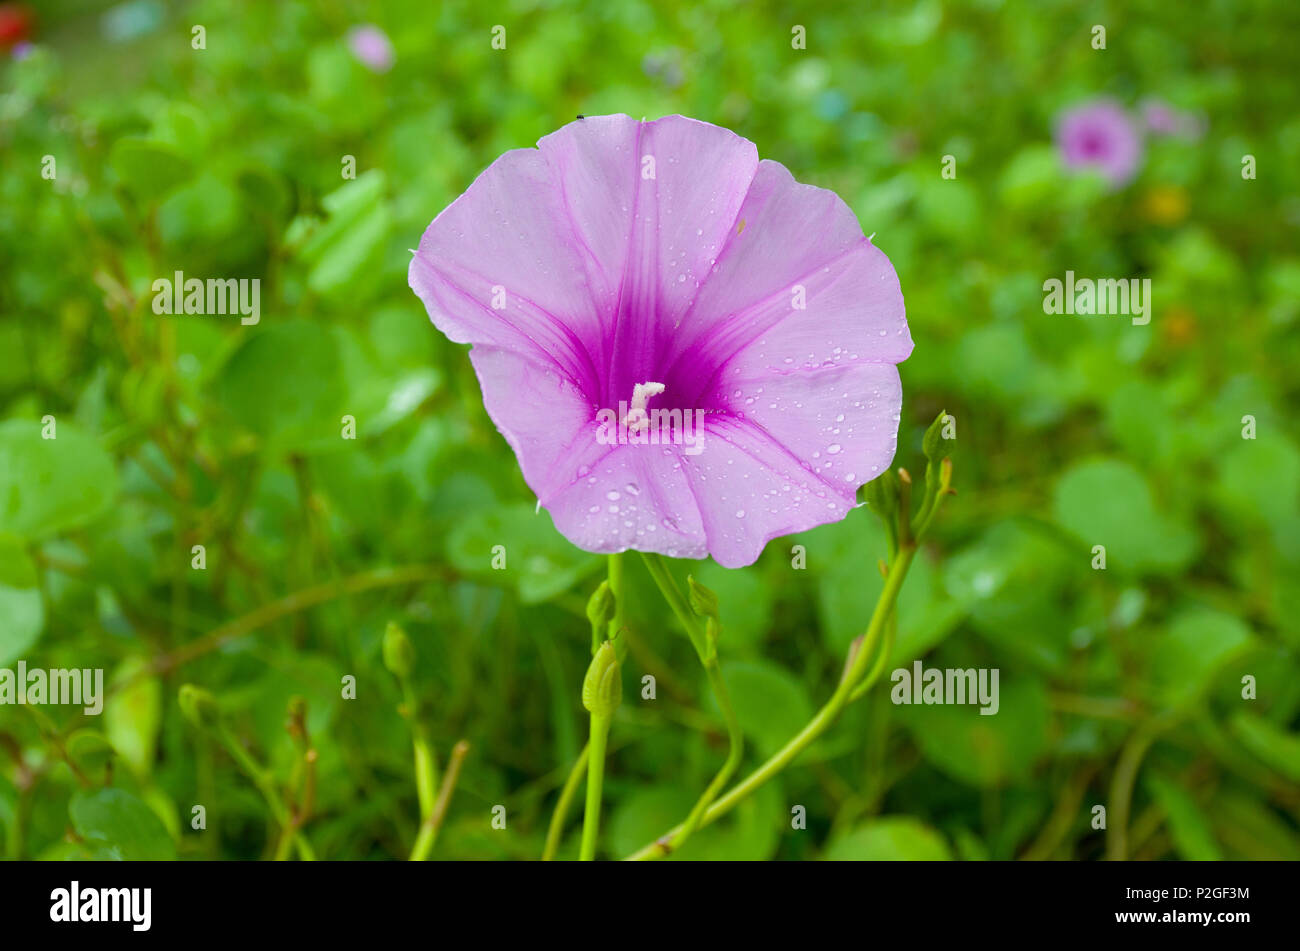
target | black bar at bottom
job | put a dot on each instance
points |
(334, 900)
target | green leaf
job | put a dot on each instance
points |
(282, 385)
(949, 207)
(1013, 582)
(350, 243)
(750, 833)
(1258, 479)
(844, 557)
(1270, 743)
(1188, 826)
(1251, 830)
(744, 603)
(538, 560)
(771, 704)
(133, 716)
(979, 749)
(121, 826)
(380, 396)
(90, 750)
(49, 486)
(206, 210)
(146, 168)
(21, 606)
(1185, 658)
(1032, 177)
(1108, 502)
(890, 839)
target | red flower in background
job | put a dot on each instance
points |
(15, 24)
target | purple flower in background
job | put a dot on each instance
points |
(372, 47)
(1100, 135)
(1160, 118)
(689, 352)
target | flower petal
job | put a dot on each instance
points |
(500, 266)
(675, 186)
(799, 286)
(840, 422)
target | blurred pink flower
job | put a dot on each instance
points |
(1100, 135)
(1160, 118)
(372, 47)
(628, 267)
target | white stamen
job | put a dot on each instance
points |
(637, 419)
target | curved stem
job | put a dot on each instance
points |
(269, 613)
(1125, 776)
(556, 829)
(673, 595)
(266, 786)
(735, 751)
(426, 763)
(707, 650)
(430, 826)
(820, 722)
(595, 781)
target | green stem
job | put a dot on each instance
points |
(595, 780)
(429, 827)
(266, 786)
(735, 751)
(1124, 778)
(708, 654)
(820, 722)
(556, 829)
(426, 763)
(882, 658)
(673, 595)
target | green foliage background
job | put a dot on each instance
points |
(174, 432)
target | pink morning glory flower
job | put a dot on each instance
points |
(371, 46)
(1099, 135)
(689, 352)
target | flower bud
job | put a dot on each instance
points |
(199, 706)
(704, 601)
(602, 688)
(932, 444)
(601, 606)
(399, 652)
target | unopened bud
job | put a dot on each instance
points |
(199, 706)
(932, 444)
(601, 605)
(704, 601)
(602, 688)
(399, 652)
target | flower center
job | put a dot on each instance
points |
(637, 419)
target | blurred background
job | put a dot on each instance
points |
(1120, 688)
